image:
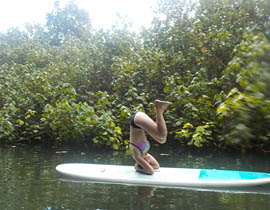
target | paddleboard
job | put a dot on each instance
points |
(167, 177)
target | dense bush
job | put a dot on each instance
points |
(244, 113)
(211, 59)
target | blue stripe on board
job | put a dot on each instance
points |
(207, 174)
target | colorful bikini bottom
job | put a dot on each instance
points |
(143, 146)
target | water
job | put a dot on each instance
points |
(28, 180)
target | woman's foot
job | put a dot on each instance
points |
(138, 167)
(161, 106)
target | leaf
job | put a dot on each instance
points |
(115, 146)
(203, 50)
(27, 116)
(188, 125)
(20, 122)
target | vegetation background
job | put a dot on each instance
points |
(65, 82)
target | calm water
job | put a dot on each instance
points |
(28, 180)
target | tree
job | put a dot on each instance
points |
(69, 20)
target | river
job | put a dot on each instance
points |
(29, 181)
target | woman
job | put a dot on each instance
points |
(141, 123)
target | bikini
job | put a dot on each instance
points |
(132, 123)
(143, 146)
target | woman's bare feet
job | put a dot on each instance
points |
(161, 106)
(138, 167)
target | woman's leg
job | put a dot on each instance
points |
(146, 164)
(152, 161)
(142, 165)
(158, 129)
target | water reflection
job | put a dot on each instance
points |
(29, 181)
(141, 198)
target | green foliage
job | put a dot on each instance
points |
(244, 114)
(199, 136)
(66, 82)
(69, 20)
(39, 101)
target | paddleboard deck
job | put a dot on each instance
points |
(167, 177)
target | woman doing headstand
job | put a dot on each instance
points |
(141, 123)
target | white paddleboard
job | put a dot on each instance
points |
(168, 177)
